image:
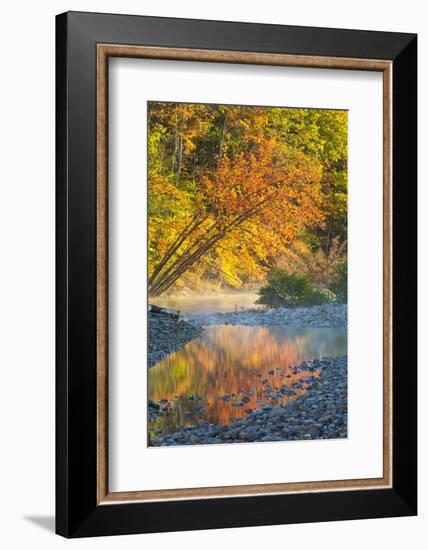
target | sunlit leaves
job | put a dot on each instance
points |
(231, 188)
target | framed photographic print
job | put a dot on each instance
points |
(236, 274)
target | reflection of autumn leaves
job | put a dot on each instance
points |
(217, 353)
(231, 359)
(262, 351)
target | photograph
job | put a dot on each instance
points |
(212, 275)
(247, 273)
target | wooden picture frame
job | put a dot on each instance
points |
(85, 506)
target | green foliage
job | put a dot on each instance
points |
(321, 135)
(285, 289)
(339, 283)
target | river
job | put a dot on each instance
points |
(229, 364)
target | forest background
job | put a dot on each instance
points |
(248, 197)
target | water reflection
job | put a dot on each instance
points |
(236, 364)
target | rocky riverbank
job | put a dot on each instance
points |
(168, 333)
(324, 316)
(319, 413)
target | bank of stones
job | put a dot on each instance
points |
(324, 316)
(166, 334)
(320, 413)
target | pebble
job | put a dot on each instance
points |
(167, 334)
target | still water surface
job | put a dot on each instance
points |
(235, 361)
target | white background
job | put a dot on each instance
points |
(27, 274)
(132, 465)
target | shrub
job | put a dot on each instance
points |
(339, 283)
(285, 289)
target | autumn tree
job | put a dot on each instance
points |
(229, 189)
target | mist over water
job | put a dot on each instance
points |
(209, 302)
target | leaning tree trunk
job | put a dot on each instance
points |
(169, 270)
